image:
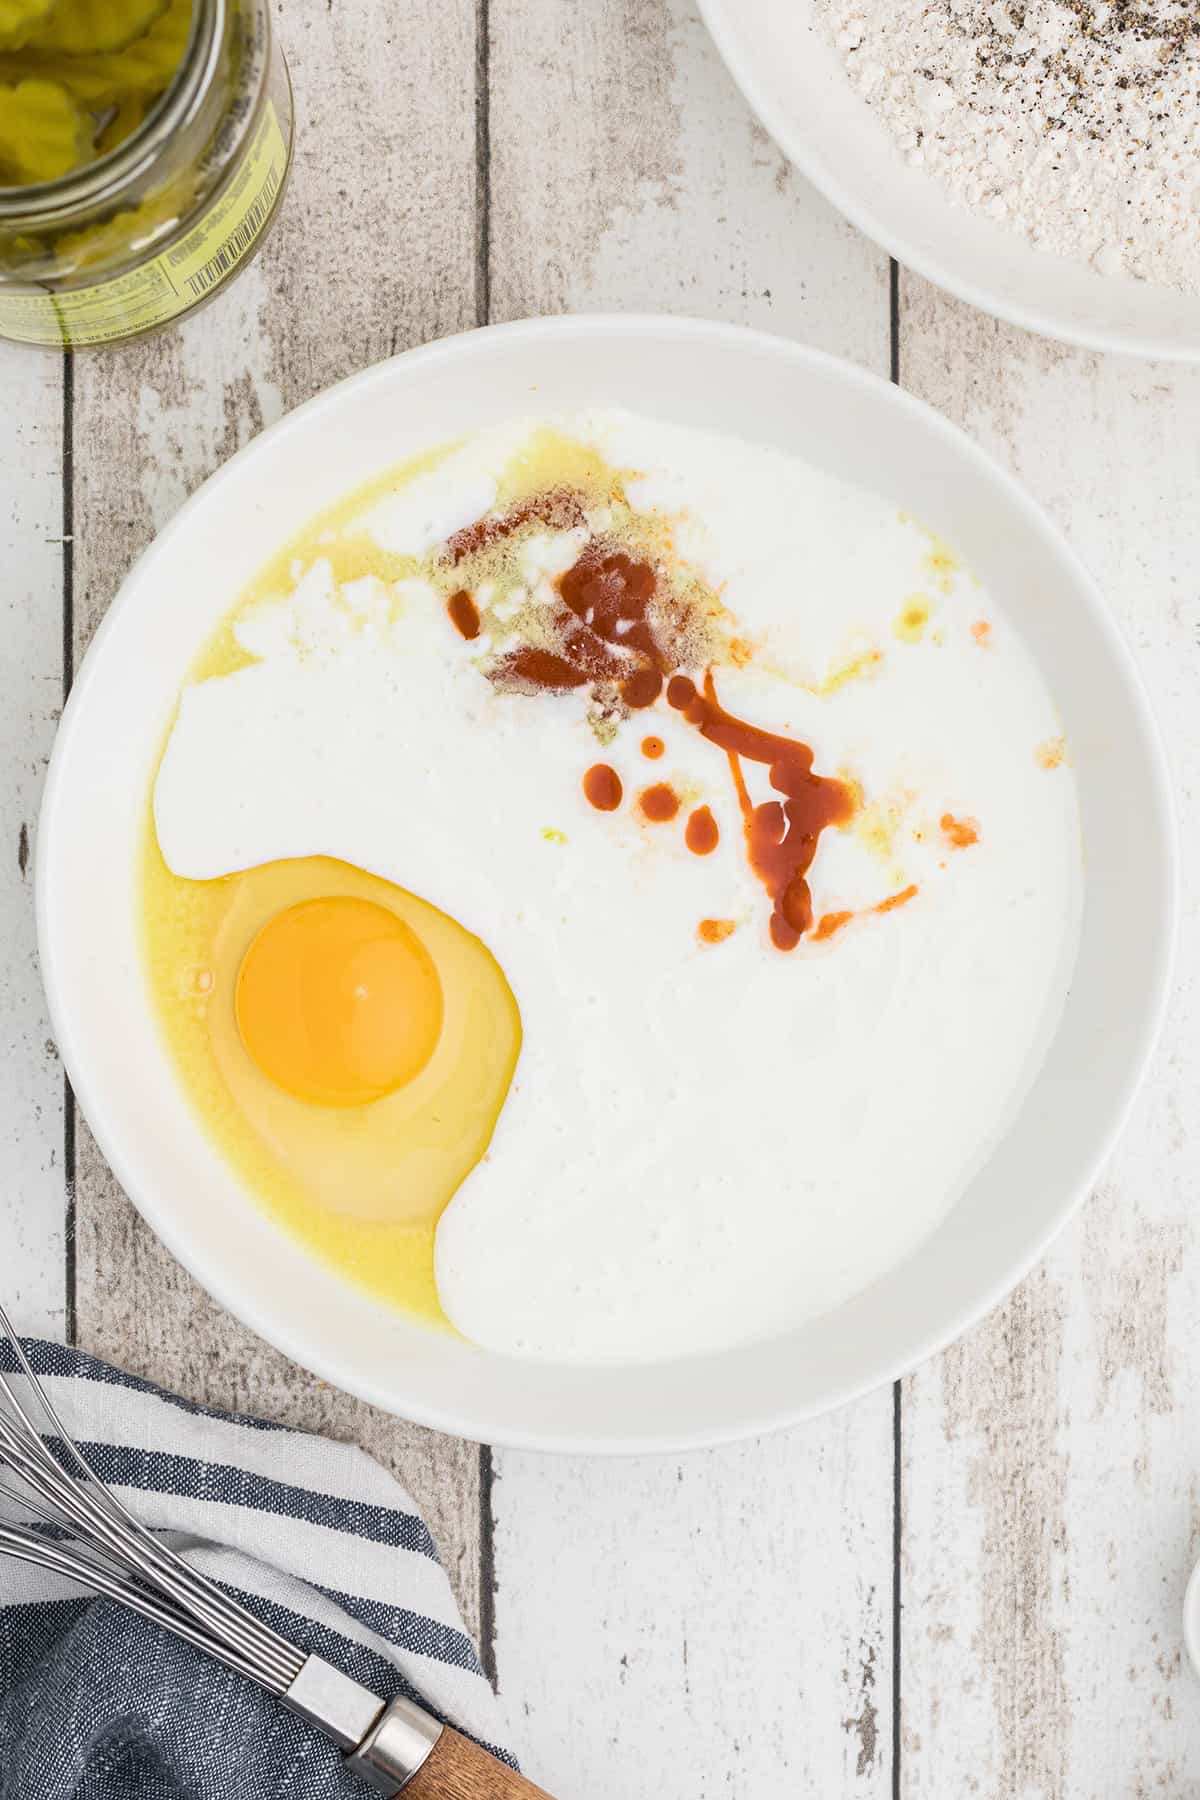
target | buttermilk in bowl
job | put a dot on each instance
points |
(609, 886)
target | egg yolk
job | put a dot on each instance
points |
(338, 1001)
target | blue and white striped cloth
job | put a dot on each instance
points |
(96, 1704)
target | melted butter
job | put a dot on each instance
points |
(941, 563)
(550, 459)
(851, 668)
(830, 923)
(912, 619)
(334, 536)
(879, 825)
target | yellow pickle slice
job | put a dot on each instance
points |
(18, 18)
(42, 132)
(107, 93)
(92, 87)
(84, 27)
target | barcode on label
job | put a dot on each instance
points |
(239, 241)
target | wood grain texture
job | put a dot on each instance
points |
(375, 249)
(457, 1769)
(32, 1195)
(627, 173)
(720, 1625)
(713, 1625)
(1051, 1500)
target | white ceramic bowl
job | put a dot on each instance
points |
(94, 811)
(798, 87)
(1191, 1618)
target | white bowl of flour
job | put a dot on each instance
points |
(1038, 158)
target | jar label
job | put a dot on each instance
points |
(175, 280)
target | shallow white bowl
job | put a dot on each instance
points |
(93, 814)
(797, 85)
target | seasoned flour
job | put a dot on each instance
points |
(1078, 124)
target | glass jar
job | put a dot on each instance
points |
(143, 235)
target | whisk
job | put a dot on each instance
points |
(56, 1513)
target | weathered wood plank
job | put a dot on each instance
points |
(720, 1625)
(628, 173)
(375, 250)
(32, 1202)
(1051, 1511)
(716, 1625)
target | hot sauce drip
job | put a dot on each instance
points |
(610, 593)
(602, 787)
(715, 931)
(464, 614)
(659, 803)
(641, 688)
(895, 900)
(960, 834)
(702, 834)
(781, 836)
(830, 923)
(530, 667)
(616, 628)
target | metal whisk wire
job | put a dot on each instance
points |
(56, 1513)
(62, 1517)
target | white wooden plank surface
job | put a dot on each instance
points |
(32, 1191)
(627, 174)
(714, 1625)
(1052, 1459)
(720, 1625)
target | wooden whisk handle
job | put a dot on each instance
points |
(408, 1752)
(457, 1769)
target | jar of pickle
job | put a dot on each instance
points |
(144, 147)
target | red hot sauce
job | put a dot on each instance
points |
(613, 627)
(702, 834)
(606, 630)
(602, 787)
(464, 614)
(660, 803)
(781, 835)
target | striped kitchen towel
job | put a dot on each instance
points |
(96, 1704)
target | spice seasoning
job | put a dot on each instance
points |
(1075, 122)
